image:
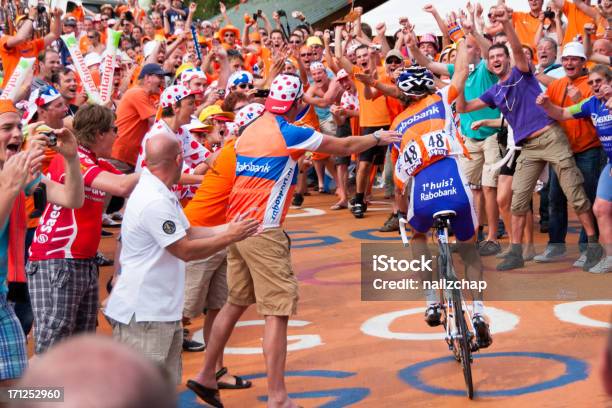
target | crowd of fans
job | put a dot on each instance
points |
(527, 92)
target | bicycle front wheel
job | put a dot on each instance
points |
(463, 343)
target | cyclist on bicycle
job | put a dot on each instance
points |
(427, 164)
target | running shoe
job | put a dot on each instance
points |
(552, 253)
(604, 266)
(488, 248)
(392, 224)
(594, 253)
(580, 261)
(298, 200)
(358, 210)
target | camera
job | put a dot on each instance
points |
(129, 16)
(262, 93)
(41, 8)
(281, 13)
(40, 200)
(52, 138)
(549, 14)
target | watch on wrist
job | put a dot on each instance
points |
(377, 136)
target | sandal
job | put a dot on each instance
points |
(209, 395)
(241, 383)
(338, 207)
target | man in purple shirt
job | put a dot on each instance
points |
(541, 139)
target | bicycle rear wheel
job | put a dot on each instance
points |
(463, 345)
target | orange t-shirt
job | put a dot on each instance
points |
(576, 20)
(526, 27)
(10, 56)
(133, 115)
(208, 206)
(394, 105)
(372, 113)
(580, 132)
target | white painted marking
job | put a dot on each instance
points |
(307, 212)
(379, 326)
(302, 341)
(570, 312)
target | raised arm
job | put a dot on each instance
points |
(430, 8)
(192, 9)
(458, 81)
(381, 29)
(435, 67)
(586, 9)
(267, 25)
(56, 27)
(520, 60)
(223, 11)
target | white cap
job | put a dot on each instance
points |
(573, 49)
(92, 59)
(149, 47)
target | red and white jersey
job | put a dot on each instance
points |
(72, 233)
(193, 154)
(349, 101)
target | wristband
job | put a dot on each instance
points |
(377, 136)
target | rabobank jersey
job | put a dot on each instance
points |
(266, 168)
(602, 120)
(429, 134)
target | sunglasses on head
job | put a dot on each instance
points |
(245, 86)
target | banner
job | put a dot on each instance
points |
(79, 63)
(108, 64)
(24, 66)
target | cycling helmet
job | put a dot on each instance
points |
(416, 81)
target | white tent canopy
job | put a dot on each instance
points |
(390, 12)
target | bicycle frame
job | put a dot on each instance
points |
(459, 330)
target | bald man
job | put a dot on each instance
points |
(145, 307)
(105, 366)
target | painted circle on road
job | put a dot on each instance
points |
(575, 370)
(379, 326)
(570, 312)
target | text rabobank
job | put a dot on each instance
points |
(252, 168)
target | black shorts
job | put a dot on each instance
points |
(509, 168)
(375, 155)
(343, 130)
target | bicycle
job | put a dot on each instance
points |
(459, 337)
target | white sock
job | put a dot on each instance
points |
(478, 307)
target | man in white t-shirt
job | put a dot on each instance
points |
(146, 304)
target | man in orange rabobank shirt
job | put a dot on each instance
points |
(259, 269)
(206, 279)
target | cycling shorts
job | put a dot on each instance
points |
(438, 187)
